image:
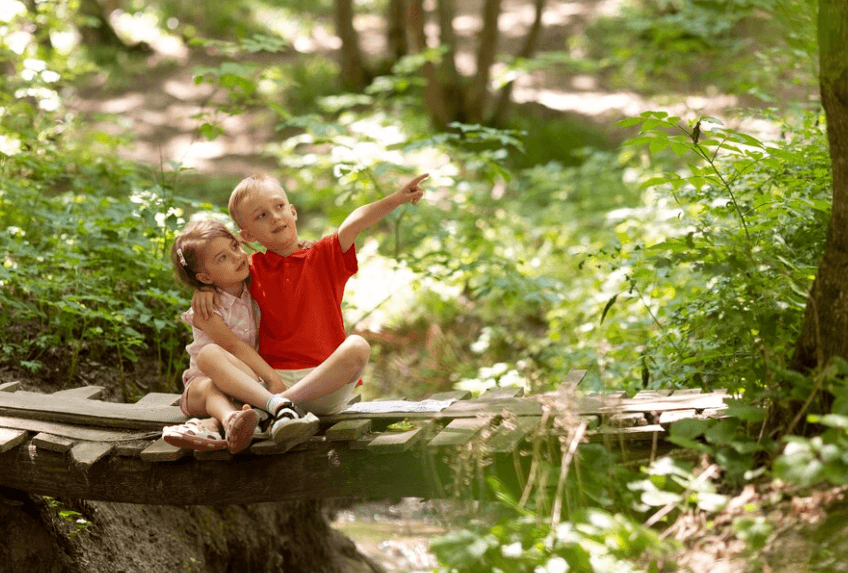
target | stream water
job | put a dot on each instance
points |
(395, 534)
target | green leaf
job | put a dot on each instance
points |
(629, 122)
(609, 304)
(658, 144)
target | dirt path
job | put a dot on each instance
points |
(160, 108)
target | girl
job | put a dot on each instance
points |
(224, 363)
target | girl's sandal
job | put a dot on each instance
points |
(194, 435)
(240, 426)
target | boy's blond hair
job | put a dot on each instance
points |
(247, 186)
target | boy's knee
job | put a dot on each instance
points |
(358, 347)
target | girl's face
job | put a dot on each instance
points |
(224, 263)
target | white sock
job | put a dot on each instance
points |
(274, 403)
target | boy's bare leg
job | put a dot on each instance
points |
(232, 376)
(344, 366)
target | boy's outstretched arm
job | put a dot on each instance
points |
(367, 215)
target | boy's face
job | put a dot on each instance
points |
(268, 218)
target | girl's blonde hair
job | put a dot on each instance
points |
(188, 247)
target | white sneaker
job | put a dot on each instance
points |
(291, 425)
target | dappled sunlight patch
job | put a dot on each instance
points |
(500, 375)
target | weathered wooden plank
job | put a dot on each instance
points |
(32, 405)
(395, 442)
(362, 442)
(659, 393)
(713, 413)
(81, 393)
(348, 430)
(220, 455)
(573, 378)
(86, 454)
(324, 470)
(459, 432)
(11, 438)
(672, 416)
(451, 395)
(681, 391)
(459, 409)
(627, 434)
(52, 443)
(75, 432)
(474, 408)
(131, 449)
(612, 395)
(512, 432)
(271, 448)
(162, 451)
(683, 402)
(628, 420)
(154, 399)
(10, 386)
(499, 393)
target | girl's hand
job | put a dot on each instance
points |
(204, 302)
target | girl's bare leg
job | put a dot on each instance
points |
(344, 366)
(205, 399)
(232, 376)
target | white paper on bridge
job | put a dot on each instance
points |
(400, 406)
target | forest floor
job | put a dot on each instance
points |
(157, 109)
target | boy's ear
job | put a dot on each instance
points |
(246, 236)
(293, 211)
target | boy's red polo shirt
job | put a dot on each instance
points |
(300, 297)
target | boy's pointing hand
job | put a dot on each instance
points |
(412, 191)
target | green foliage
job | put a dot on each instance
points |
(822, 457)
(75, 519)
(592, 538)
(724, 282)
(650, 46)
(84, 274)
(81, 273)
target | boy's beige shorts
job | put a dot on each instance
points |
(330, 404)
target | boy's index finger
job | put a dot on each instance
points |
(418, 180)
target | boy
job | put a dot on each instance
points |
(299, 293)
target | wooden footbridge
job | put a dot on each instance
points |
(70, 444)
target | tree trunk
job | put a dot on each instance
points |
(527, 51)
(451, 81)
(396, 31)
(434, 97)
(96, 31)
(824, 333)
(353, 74)
(475, 107)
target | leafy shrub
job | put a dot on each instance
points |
(84, 274)
(725, 284)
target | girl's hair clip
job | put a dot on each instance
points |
(181, 257)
